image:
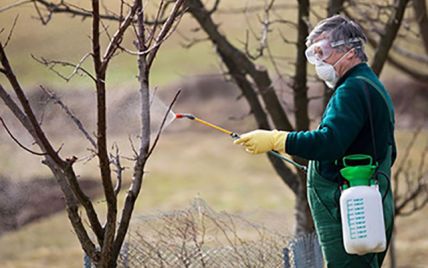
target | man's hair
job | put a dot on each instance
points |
(339, 28)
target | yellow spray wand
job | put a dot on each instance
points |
(236, 136)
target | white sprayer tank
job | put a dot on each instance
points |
(363, 225)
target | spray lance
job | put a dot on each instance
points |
(235, 135)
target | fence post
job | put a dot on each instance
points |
(307, 251)
(86, 261)
(125, 254)
(286, 257)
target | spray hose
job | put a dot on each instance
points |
(236, 136)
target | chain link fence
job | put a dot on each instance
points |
(201, 237)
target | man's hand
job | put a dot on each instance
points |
(262, 141)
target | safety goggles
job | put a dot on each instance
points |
(321, 50)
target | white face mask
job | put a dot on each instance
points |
(327, 72)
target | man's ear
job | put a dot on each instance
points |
(352, 53)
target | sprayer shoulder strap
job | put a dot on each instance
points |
(370, 112)
(381, 92)
(369, 109)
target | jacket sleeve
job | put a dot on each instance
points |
(342, 121)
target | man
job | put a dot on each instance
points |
(359, 119)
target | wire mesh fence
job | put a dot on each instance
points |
(201, 237)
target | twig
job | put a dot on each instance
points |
(11, 31)
(115, 159)
(41, 136)
(134, 150)
(163, 123)
(73, 117)
(16, 4)
(190, 42)
(132, 52)
(161, 11)
(17, 141)
(41, 18)
(77, 67)
(408, 54)
(165, 31)
(117, 38)
(215, 7)
(105, 27)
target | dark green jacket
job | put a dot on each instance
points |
(345, 126)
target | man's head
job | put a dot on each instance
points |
(336, 43)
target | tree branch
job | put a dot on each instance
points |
(117, 38)
(411, 55)
(104, 161)
(77, 67)
(420, 9)
(16, 4)
(115, 159)
(11, 31)
(17, 141)
(387, 39)
(70, 198)
(164, 32)
(67, 110)
(163, 123)
(45, 144)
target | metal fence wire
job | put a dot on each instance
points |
(201, 237)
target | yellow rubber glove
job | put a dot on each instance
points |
(262, 141)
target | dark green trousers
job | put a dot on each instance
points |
(323, 197)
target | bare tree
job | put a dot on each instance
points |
(257, 81)
(109, 236)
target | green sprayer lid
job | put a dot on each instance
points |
(358, 169)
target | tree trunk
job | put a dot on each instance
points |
(392, 252)
(304, 222)
(300, 89)
(334, 7)
(388, 37)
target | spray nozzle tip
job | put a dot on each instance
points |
(188, 116)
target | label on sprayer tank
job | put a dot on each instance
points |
(356, 218)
